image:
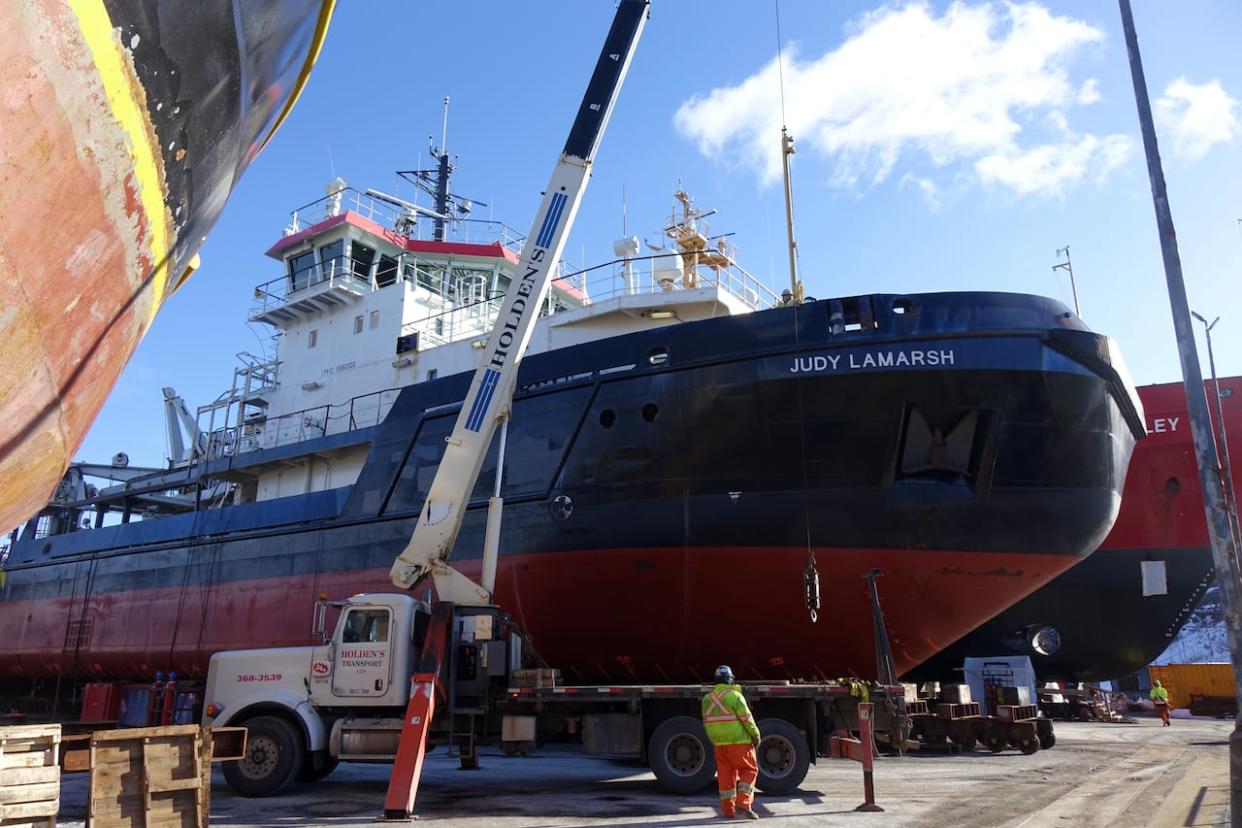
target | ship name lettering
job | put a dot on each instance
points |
(874, 359)
(1160, 425)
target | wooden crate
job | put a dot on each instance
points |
(150, 776)
(29, 776)
(537, 678)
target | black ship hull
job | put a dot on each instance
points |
(969, 446)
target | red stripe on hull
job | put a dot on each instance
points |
(612, 615)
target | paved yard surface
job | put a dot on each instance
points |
(1098, 774)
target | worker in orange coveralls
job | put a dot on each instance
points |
(735, 736)
(1161, 697)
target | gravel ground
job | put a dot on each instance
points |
(1098, 774)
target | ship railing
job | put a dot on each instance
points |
(474, 319)
(609, 280)
(261, 432)
(393, 217)
(461, 321)
(341, 271)
(450, 280)
(594, 284)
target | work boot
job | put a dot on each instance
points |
(747, 813)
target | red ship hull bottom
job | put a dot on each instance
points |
(657, 615)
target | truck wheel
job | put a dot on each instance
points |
(680, 755)
(274, 755)
(783, 755)
(309, 773)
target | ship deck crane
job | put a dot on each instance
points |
(487, 405)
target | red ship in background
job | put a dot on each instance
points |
(1106, 618)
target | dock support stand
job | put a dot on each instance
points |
(866, 733)
(407, 768)
(862, 749)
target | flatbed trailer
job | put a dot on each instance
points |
(662, 724)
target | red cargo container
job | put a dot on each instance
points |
(101, 702)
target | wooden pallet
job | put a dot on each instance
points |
(29, 776)
(150, 776)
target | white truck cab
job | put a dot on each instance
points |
(291, 697)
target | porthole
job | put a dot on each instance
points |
(650, 412)
(607, 417)
(903, 306)
(1173, 485)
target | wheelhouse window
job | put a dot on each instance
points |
(386, 273)
(301, 268)
(374, 319)
(363, 257)
(357, 324)
(312, 338)
(332, 258)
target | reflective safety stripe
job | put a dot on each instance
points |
(716, 710)
(744, 788)
(729, 794)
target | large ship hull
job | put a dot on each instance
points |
(665, 493)
(1107, 627)
(125, 126)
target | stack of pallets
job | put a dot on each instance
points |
(29, 776)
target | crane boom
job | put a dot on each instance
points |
(488, 401)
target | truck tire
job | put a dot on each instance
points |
(680, 755)
(784, 756)
(274, 755)
(309, 773)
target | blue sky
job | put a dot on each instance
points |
(940, 147)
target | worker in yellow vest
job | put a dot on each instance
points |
(1161, 697)
(735, 736)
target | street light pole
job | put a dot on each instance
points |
(1067, 265)
(1226, 469)
(1220, 531)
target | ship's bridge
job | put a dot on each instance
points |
(349, 244)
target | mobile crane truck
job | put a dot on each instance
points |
(352, 699)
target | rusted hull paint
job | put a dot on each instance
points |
(124, 126)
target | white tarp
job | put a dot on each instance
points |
(1008, 671)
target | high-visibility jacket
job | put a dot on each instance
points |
(727, 717)
(1159, 694)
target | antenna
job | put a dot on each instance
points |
(444, 127)
(1068, 266)
(787, 149)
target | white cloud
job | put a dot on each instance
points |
(964, 87)
(1047, 169)
(931, 193)
(1197, 117)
